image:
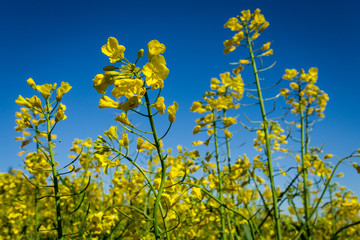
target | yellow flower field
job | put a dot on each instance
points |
(206, 192)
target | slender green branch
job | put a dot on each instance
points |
(54, 173)
(163, 173)
(304, 169)
(266, 131)
(220, 185)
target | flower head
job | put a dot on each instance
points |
(156, 72)
(172, 110)
(113, 50)
(155, 48)
(64, 88)
(160, 105)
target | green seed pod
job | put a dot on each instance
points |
(109, 68)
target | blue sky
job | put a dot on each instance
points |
(60, 41)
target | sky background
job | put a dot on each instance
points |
(55, 41)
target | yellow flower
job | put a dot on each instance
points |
(235, 83)
(196, 129)
(159, 105)
(264, 26)
(172, 110)
(268, 53)
(229, 49)
(245, 15)
(340, 174)
(197, 107)
(233, 24)
(113, 50)
(327, 156)
(255, 35)
(312, 75)
(229, 121)
(156, 72)
(294, 85)
(87, 143)
(125, 140)
(100, 83)
(128, 87)
(258, 19)
(139, 143)
(35, 102)
(64, 88)
(106, 102)
(227, 133)
(196, 192)
(197, 143)
(214, 84)
(266, 46)
(44, 90)
(31, 83)
(155, 48)
(290, 74)
(111, 133)
(22, 102)
(238, 69)
(356, 167)
(60, 114)
(131, 103)
(123, 119)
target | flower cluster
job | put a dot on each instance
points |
(303, 94)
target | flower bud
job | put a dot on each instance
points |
(140, 53)
(111, 73)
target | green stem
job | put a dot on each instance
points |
(163, 172)
(220, 185)
(303, 146)
(54, 172)
(266, 131)
(229, 166)
(333, 218)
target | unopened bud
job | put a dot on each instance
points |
(111, 73)
(140, 53)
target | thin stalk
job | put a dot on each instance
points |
(220, 185)
(266, 131)
(333, 218)
(230, 227)
(54, 172)
(303, 146)
(37, 189)
(229, 166)
(36, 210)
(163, 172)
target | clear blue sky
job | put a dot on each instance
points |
(54, 41)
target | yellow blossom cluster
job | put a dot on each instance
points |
(304, 93)
(276, 136)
